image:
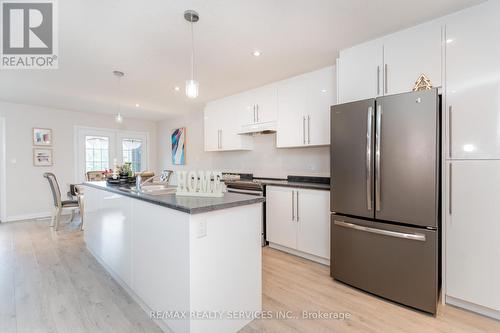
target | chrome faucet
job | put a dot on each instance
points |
(163, 178)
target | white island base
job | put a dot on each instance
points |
(177, 265)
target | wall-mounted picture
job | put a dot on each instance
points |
(42, 157)
(179, 146)
(42, 137)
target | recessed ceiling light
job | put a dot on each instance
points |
(256, 53)
(176, 88)
(323, 90)
(137, 105)
(449, 40)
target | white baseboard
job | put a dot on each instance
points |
(33, 216)
(312, 257)
(482, 310)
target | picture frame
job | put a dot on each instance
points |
(42, 136)
(178, 140)
(43, 157)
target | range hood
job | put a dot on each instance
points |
(259, 128)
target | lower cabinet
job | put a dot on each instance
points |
(298, 221)
(473, 236)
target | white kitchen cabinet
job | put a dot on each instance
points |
(473, 82)
(281, 227)
(304, 109)
(258, 105)
(360, 72)
(473, 236)
(115, 233)
(298, 221)
(391, 64)
(412, 52)
(221, 129)
(313, 214)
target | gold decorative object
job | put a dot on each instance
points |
(422, 83)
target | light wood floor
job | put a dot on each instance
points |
(50, 283)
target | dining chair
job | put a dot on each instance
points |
(59, 204)
(92, 176)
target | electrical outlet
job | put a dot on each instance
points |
(202, 229)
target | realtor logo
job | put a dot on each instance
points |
(29, 38)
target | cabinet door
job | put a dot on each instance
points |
(409, 53)
(313, 214)
(266, 101)
(473, 82)
(281, 227)
(211, 127)
(322, 95)
(360, 72)
(292, 108)
(473, 233)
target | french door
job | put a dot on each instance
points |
(99, 150)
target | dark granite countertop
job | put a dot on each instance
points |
(190, 205)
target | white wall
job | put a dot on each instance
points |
(28, 193)
(265, 160)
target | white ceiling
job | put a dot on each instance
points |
(150, 42)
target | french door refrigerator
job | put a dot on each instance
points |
(385, 197)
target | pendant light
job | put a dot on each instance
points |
(118, 116)
(192, 85)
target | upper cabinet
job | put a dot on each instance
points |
(221, 131)
(473, 83)
(298, 109)
(359, 72)
(304, 109)
(258, 105)
(392, 64)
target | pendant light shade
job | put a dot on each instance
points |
(119, 75)
(192, 86)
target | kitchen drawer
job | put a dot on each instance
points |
(374, 257)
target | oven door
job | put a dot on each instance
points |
(395, 262)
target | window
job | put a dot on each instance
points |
(96, 153)
(132, 153)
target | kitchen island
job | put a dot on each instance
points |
(193, 263)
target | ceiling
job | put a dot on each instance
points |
(150, 42)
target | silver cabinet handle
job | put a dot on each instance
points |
(416, 236)
(254, 113)
(293, 205)
(386, 71)
(378, 134)
(450, 146)
(297, 206)
(378, 80)
(221, 139)
(369, 158)
(218, 139)
(257, 107)
(304, 129)
(450, 189)
(309, 129)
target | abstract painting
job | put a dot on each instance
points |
(42, 137)
(179, 146)
(42, 157)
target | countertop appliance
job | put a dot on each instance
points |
(385, 222)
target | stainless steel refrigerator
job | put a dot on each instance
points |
(385, 197)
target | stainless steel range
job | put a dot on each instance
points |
(245, 184)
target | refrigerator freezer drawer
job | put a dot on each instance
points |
(394, 262)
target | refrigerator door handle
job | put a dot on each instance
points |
(378, 134)
(369, 158)
(415, 237)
